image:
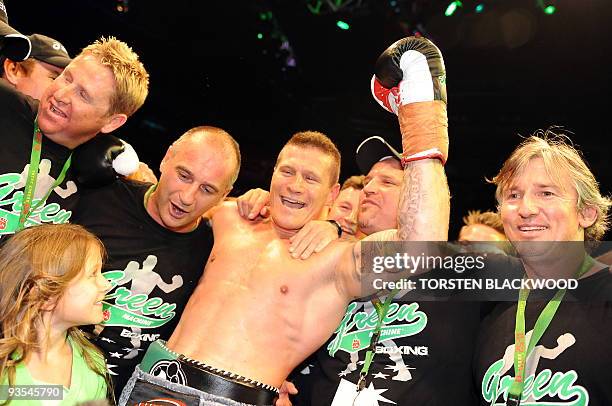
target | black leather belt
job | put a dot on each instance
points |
(226, 385)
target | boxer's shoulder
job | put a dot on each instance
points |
(222, 211)
(226, 219)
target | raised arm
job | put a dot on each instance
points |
(409, 82)
(424, 206)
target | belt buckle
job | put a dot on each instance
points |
(513, 400)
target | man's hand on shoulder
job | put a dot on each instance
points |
(253, 205)
(312, 238)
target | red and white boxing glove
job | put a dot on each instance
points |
(410, 81)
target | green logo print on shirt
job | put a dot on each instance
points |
(544, 383)
(11, 199)
(364, 323)
(133, 307)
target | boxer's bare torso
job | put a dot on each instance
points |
(257, 311)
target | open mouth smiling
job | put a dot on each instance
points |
(292, 203)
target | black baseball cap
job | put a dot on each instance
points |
(13, 44)
(373, 150)
(49, 50)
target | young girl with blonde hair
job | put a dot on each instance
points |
(50, 283)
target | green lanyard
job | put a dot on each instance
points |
(148, 194)
(30, 185)
(520, 352)
(381, 311)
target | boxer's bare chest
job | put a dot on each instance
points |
(257, 260)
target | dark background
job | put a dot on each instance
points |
(511, 69)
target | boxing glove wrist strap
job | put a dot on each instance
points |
(432, 153)
(424, 128)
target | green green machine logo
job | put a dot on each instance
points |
(561, 385)
(127, 308)
(11, 202)
(363, 324)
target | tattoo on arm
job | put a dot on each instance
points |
(409, 201)
(424, 206)
(423, 215)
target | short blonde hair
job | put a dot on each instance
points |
(320, 141)
(355, 181)
(131, 77)
(560, 158)
(487, 218)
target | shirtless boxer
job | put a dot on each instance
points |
(265, 311)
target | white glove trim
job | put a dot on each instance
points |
(126, 162)
(417, 85)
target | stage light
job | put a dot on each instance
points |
(122, 6)
(267, 15)
(342, 25)
(547, 8)
(259, 35)
(450, 10)
(479, 8)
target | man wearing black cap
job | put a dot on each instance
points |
(95, 94)
(47, 60)
(12, 44)
(419, 351)
(381, 191)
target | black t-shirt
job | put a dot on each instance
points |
(426, 359)
(570, 365)
(423, 357)
(154, 271)
(17, 115)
